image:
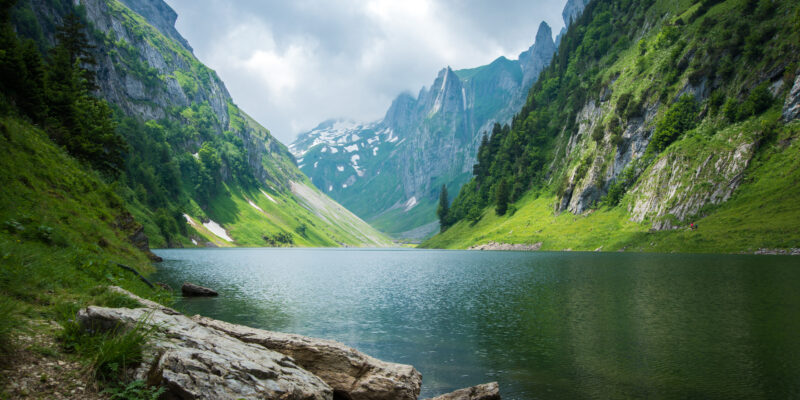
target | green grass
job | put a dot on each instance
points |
(62, 231)
(762, 213)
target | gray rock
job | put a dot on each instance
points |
(351, 374)
(572, 10)
(791, 109)
(192, 290)
(194, 362)
(487, 391)
(507, 246)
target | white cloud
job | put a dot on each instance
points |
(294, 64)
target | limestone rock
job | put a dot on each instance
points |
(487, 391)
(192, 290)
(507, 246)
(195, 362)
(791, 109)
(350, 373)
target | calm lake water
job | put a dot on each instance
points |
(545, 325)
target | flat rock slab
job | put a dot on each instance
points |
(487, 391)
(192, 290)
(195, 362)
(507, 246)
(351, 374)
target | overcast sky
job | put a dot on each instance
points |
(294, 63)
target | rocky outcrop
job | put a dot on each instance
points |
(160, 15)
(791, 109)
(572, 10)
(778, 252)
(538, 56)
(507, 246)
(346, 370)
(487, 391)
(192, 290)
(202, 358)
(194, 362)
(678, 184)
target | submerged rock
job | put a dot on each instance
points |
(351, 374)
(192, 290)
(487, 391)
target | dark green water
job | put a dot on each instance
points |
(545, 325)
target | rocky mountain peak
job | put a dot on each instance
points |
(538, 55)
(544, 34)
(572, 10)
(159, 14)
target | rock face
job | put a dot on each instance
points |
(791, 109)
(194, 362)
(487, 391)
(346, 370)
(202, 358)
(391, 171)
(572, 10)
(192, 290)
(147, 69)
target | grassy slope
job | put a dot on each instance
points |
(247, 225)
(763, 213)
(230, 208)
(60, 233)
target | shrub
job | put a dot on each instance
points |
(598, 132)
(681, 117)
(758, 101)
(731, 110)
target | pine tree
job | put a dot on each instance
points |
(80, 122)
(444, 209)
(502, 194)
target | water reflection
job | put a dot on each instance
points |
(546, 325)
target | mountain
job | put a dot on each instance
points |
(658, 126)
(389, 172)
(195, 170)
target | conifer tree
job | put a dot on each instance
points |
(502, 198)
(444, 209)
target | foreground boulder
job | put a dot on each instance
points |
(351, 374)
(192, 290)
(487, 391)
(193, 362)
(199, 358)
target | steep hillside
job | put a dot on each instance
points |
(197, 170)
(653, 116)
(390, 172)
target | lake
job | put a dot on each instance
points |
(544, 325)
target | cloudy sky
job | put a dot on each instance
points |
(294, 63)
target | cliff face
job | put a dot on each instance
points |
(572, 10)
(390, 172)
(653, 115)
(148, 70)
(204, 153)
